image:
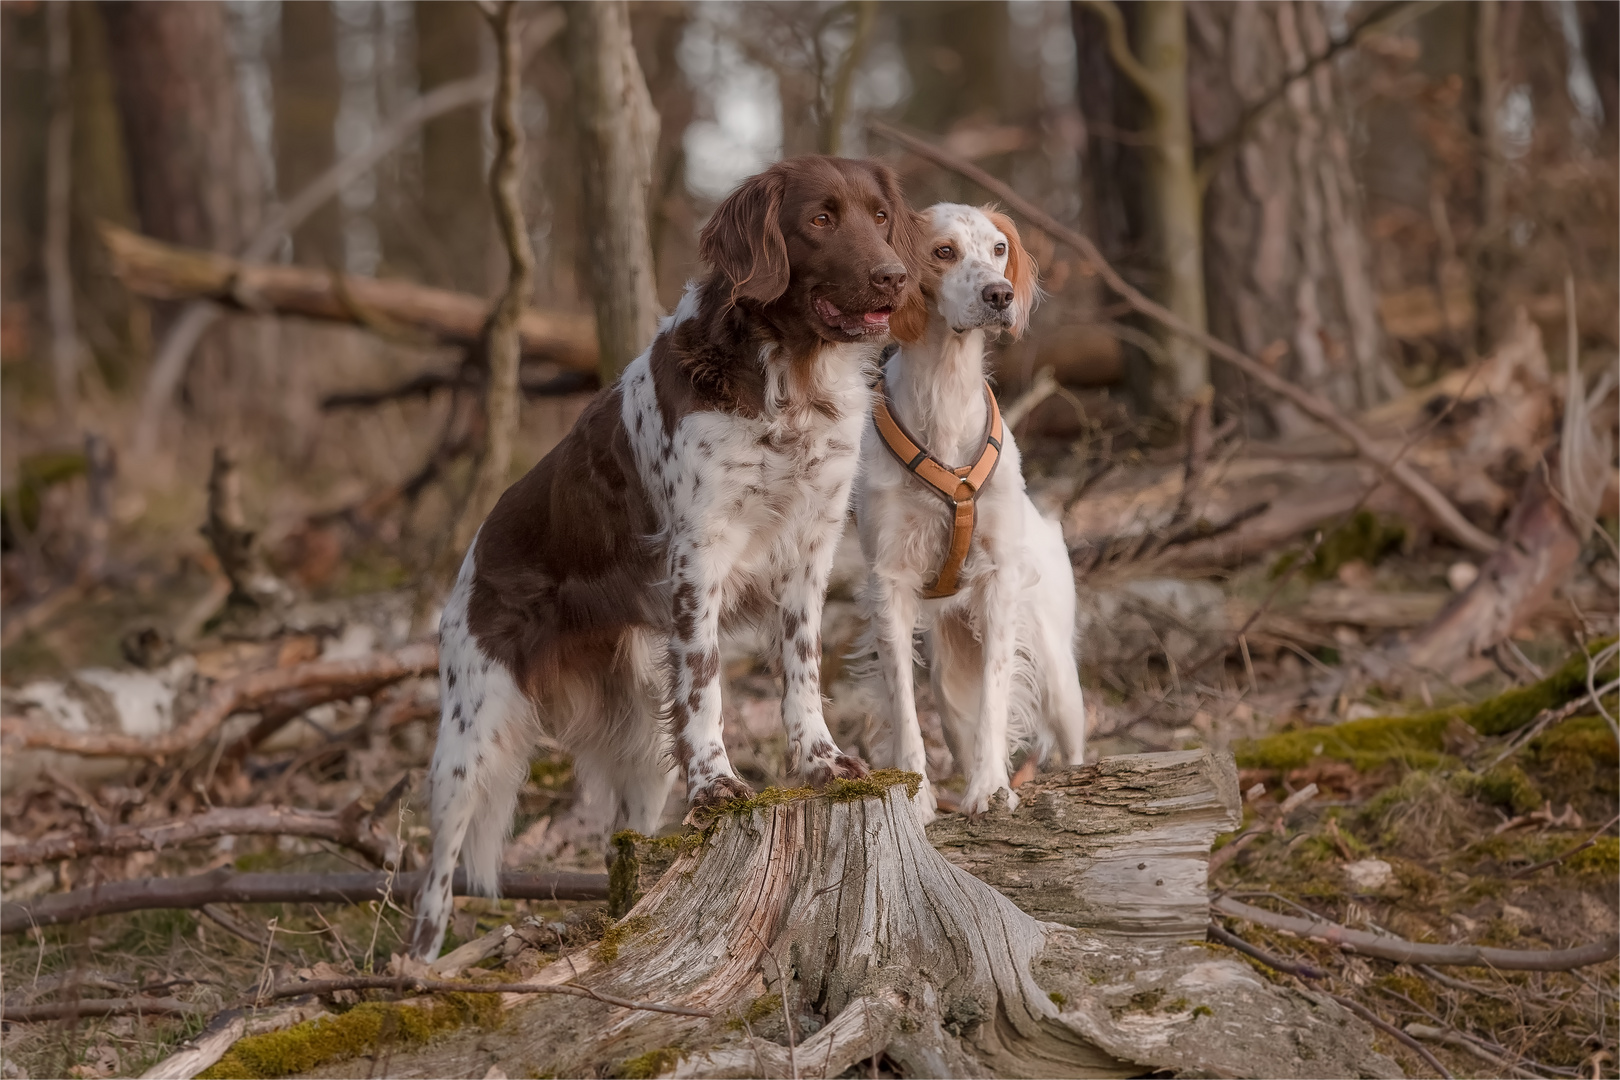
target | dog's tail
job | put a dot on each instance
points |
(479, 765)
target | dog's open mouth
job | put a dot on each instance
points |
(875, 321)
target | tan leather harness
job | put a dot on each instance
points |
(958, 487)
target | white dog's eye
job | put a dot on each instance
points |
(1001, 249)
(945, 251)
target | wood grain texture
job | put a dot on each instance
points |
(1122, 845)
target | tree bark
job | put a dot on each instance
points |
(65, 351)
(825, 931)
(449, 43)
(196, 181)
(308, 90)
(1285, 248)
(394, 308)
(617, 139)
(1100, 857)
(1158, 70)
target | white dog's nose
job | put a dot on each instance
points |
(998, 295)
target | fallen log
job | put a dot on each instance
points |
(1463, 434)
(825, 930)
(312, 683)
(1401, 951)
(160, 271)
(226, 886)
(354, 827)
(1120, 845)
(1544, 533)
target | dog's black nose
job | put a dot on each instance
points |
(998, 295)
(889, 276)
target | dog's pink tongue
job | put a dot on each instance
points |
(876, 318)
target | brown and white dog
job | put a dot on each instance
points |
(999, 637)
(707, 487)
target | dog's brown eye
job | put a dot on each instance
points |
(821, 221)
(882, 216)
(945, 251)
(1001, 249)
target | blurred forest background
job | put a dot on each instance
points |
(246, 249)
(1366, 228)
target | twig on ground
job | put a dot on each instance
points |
(1262, 825)
(351, 827)
(1225, 937)
(228, 886)
(409, 984)
(1546, 718)
(1389, 947)
(1445, 513)
(1588, 842)
(318, 681)
(72, 1010)
(1459, 1041)
(1393, 1032)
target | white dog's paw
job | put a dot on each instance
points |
(985, 793)
(925, 804)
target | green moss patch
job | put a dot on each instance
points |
(874, 786)
(607, 950)
(1418, 740)
(652, 1063)
(363, 1029)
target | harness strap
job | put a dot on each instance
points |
(959, 487)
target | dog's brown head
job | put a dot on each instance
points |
(825, 243)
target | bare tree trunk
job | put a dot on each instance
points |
(1286, 255)
(196, 175)
(195, 180)
(1158, 70)
(449, 39)
(308, 90)
(502, 342)
(618, 137)
(59, 214)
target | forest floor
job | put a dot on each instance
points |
(1433, 817)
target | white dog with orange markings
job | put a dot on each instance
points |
(952, 542)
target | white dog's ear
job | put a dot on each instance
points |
(1022, 272)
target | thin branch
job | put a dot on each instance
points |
(1393, 1032)
(832, 130)
(502, 342)
(318, 681)
(226, 886)
(408, 984)
(1220, 934)
(1401, 951)
(1119, 50)
(1446, 515)
(73, 1010)
(351, 827)
(429, 382)
(1588, 842)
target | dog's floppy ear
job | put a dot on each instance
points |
(743, 239)
(1021, 272)
(908, 236)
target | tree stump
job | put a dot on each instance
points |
(834, 914)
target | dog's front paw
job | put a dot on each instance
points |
(718, 790)
(985, 795)
(830, 764)
(925, 804)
